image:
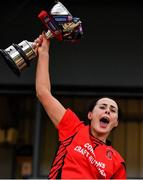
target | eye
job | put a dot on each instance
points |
(102, 107)
(113, 110)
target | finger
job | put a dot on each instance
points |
(40, 37)
(38, 41)
(44, 35)
(34, 45)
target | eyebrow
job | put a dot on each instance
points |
(106, 105)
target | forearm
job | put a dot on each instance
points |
(42, 74)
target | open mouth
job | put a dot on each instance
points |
(104, 121)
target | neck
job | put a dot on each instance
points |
(101, 136)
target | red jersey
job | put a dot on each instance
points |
(82, 156)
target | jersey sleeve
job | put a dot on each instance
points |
(69, 125)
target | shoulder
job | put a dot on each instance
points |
(69, 117)
(116, 155)
(69, 125)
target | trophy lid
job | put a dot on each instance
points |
(59, 9)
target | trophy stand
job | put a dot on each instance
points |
(60, 24)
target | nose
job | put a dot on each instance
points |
(107, 111)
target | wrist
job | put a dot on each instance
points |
(44, 54)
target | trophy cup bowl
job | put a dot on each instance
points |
(60, 24)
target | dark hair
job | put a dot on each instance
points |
(94, 102)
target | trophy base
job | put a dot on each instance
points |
(9, 61)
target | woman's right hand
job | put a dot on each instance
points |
(42, 44)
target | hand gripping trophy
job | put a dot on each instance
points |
(60, 24)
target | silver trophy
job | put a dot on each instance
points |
(60, 24)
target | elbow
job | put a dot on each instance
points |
(41, 93)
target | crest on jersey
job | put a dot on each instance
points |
(109, 154)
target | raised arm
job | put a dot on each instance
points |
(52, 106)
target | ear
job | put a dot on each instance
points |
(89, 115)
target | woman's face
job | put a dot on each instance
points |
(104, 116)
